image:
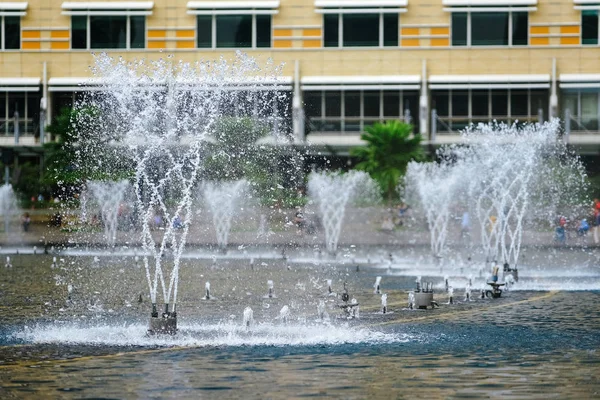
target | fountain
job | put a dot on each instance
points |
(9, 208)
(109, 196)
(223, 199)
(152, 119)
(332, 192)
(207, 288)
(500, 173)
(377, 285)
(284, 314)
(248, 318)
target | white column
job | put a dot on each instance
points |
(423, 101)
(297, 109)
(553, 112)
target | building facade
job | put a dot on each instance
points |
(440, 64)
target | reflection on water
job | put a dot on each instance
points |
(524, 345)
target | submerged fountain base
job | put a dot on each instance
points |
(163, 325)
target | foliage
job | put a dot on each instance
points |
(67, 156)
(389, 148)
(59, 156)
(236, 152)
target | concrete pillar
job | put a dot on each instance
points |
(297, 108)
(433, 125)
(16, 127)
(423, 101)
(553, 111)
(567, 125)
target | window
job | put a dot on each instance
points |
(360, 30)
(10, 33)
(108, 32)
(353, 110)
(496, 28)
(234, 31)
(27, 105)
(589, 27)
(456, 109)
(584, 108)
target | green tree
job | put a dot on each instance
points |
(389, 148)
(59, 156)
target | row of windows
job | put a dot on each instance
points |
(490, 29)
(234, 31)
(108, 32)
(339, 30)
(352, 111)
(10, 33)
(356, 30)
(27, 107)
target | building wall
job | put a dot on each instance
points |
(297, 35)
(297, 32)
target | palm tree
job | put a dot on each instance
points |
(390, 146)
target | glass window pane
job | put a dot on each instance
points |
(479, 103)
(204, 31)
(391, 105)
(263, 31)
(372, 104)
(589, 110)
(589, 105)
(352, 104)
(519, 100)
(3, 104)
(361, 30)
(569, 102)
(539, 101)
(441, 103)
(499, 103)
(79, 32)
(331, 28)
(16, 101)
(312, 104)
(333, 104)
(460, 104)
(33, 105)
(12, 32)
(459, 29)
(108, 32)
(410, 103)
(589, 26)
(520, 27)
(234, 30)
(489, 29)
(390, 29)
(138, 32)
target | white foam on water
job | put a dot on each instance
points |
(208, 335)
(551, 283)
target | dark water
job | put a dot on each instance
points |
(528, 344)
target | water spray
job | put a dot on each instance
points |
(248, 318)
(270, 285)
(377, 285)
(207, 287)
(284, 314)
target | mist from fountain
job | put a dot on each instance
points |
(153, 118)
(108, 195)
(499, 172)
(223, 200)
(9, 208)
(332, 192)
